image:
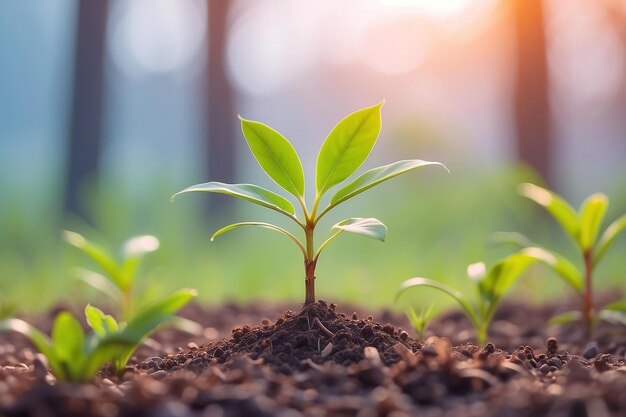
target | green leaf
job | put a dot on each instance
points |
(249, 192)
(260, 224)
(618, 306)
(376, 176)
(368, 227)
(186, 325)
(109, 349)
(347, 146)
(607, 238)
(591, 214)
(99, 282)
(421, 320)
(125, 341)
(41, 342)
(566, 318)
(147, 320)
(456, 295)
(68, 338)
(102, 324)
(564, 268)
(511, 238)
(133, 251)
(503, 275)
(276, 155)
(98, 254)
(560, 209)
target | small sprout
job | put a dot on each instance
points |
(345, 149)
(420, 320)
(490, 286)
(76, 356)
(583, 227)
(121, 275)
(118, 283)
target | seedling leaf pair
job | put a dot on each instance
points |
(345, 149)
(119, 276)
(583, 227)
(491, 286)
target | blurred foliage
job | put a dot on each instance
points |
(438, 224)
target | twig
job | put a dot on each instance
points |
(323, 328)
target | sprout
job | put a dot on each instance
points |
(583, 227)
(490, 287)
(345, 149)
(74, 356)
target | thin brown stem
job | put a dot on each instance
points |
(309, 264)
(309, 282)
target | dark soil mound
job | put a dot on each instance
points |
(316, 335)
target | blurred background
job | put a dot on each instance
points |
(109, 107)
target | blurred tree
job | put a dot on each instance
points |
(219, 102)
(532, 107)
(616, 12)
(87, 102)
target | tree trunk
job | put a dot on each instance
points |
(221, 116)
(85, 136)
(532, 107)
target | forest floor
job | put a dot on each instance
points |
(261, 360)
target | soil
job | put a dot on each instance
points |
(321, 362)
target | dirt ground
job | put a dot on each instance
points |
(261, 360)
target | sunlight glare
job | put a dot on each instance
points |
(396, 47)
(267, 50)
(436, 9)
(148, 36)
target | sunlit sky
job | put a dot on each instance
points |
(273, 42)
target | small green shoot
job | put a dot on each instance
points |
(345, 149)
(145, 322)
(490, 286)
(118, 278)
(75, 356)
(420, 320)
(583, 227)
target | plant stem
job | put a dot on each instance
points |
(588, 292)
(127, 301)
(309, 264)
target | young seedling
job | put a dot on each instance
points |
(342, 153)
(583, 227)
(119, 277)
(420, 320)
(74, 356)
(490, 286)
